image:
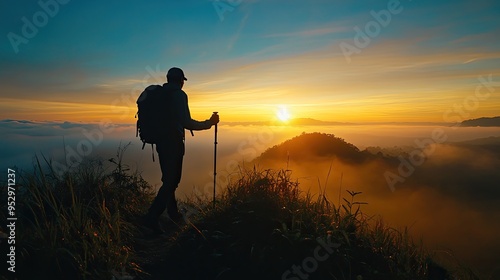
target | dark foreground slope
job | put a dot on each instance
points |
(264, 228)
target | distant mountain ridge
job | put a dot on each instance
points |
(488, 141)
(485, 121)
(310, 121)
(295, 121)
(316, 122)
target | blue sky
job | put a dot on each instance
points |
(259, 55)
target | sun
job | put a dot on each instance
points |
(283, 114)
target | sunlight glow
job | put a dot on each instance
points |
(283, 114)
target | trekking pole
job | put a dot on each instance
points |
(215, 159)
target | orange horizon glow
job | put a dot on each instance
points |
(403, 87)
(82, 112)
(334, 94)
(363, 111)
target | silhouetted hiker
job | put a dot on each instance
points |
(171, 149)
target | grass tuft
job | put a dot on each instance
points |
(78, 225)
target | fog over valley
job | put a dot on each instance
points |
(441, 182)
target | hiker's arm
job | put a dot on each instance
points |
(185, 116)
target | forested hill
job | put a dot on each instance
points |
(316, 144)
(494, 121)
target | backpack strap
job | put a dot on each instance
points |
(137, 130)
(152, 150)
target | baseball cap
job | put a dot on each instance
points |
(175, 73)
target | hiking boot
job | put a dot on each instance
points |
(152, 224)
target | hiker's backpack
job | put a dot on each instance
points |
(154, 115)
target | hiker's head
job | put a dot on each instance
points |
(176, 75)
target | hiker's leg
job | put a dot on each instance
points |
(160, 202)
(170, 155)
(175, 177)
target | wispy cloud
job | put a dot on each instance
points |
(321, 31)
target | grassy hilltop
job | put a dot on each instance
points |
(84, 225)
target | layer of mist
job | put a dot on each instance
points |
(449, 197)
